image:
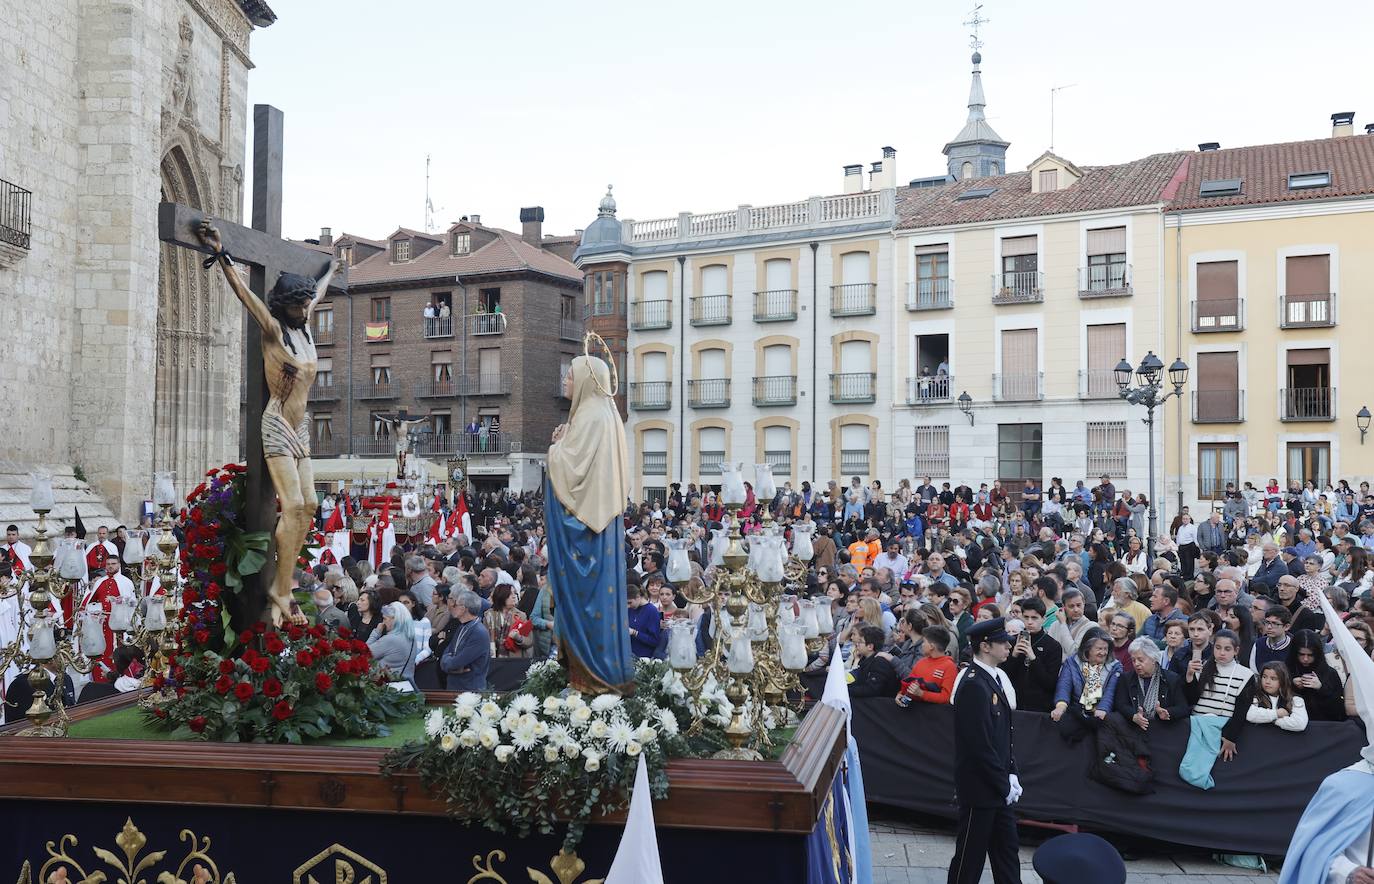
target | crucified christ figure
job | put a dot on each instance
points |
(401, 425)
(288, 355)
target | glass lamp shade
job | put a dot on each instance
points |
(41, 498)
(965, 402)
(154, 615)
(1122, 373)
(682, 647)
(720, 539)
(793, 648)
(92, 632)
(787, 609)
(42, 643)
(164, 488)
(732, 484)
(122, 615)
(825, 621)
(764, 487)
(740, 658)
(768, 563)
(1178, 373)
(801, 541)
(70, 559)
(809, 622)
(757, 623)
(679, 569)
(1150, 368)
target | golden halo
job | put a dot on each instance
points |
(610, 361)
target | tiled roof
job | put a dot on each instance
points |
(1137, 183)
(506, 253)
(1264, 170)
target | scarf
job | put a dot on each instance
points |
(1093, 677)
(1149, 694)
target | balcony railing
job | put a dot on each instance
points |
(840, 209)
(322, 335)
(1104, 281)
(930, 390)
(650, 315)
(853, 387)
(16, 205)
(651, 395)
(1097, 383)
(487, 324)
(1218, 406)
(709, 393)
(655, 463)
(373, 445)
(330, 446)
(598, 308)
(497, 443)
(323, 392)
(387, 390)
(436, 389)
(777, 305)
(439, 327)
(484, 385)
(1018, 287)
(1021, 387)
(1220, 315)
(569, 329)
(854, 299)
(930, 294)
(854, 462)
(1307, 311)
(778, 389)
(1307, 403)
(710, 462)
(780, 461)
(710, 310)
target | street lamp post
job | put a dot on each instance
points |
(1149, 392)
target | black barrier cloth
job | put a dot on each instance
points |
(908, 761)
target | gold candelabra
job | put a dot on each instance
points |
(155, 634)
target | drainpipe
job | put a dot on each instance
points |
(462, 398)
(350, 372)
(815, 357)
(1178, 317)
(682, 369)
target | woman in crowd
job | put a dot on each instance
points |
(1357, 570)
(542, 618)
(1221, 691)
(1239, 620)
(936, 617)
(1135, 560)
(989, 611)
(1275, 703)
(1121, 630)
(1186, 540)
(1175, 637)
(421, 627)
(1087, 686)
(1315, 681)
(1364, 637)
(511, 633)
(905, 648)
(393, 642)
(366, 616)
(1098, 559)
(1312, 579)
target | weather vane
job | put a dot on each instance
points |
(975, 22)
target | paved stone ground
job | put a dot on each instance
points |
(912, 849)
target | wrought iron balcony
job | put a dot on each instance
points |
(651, 395)
(1219, 315)
(484, 385)
(322, 335)
(497, 443)
(570, 329)
(486, 324)
(776, 305)
(16, 205)
(330, 446)
(930, 294)
(438, 327)
(710, 310)
(1097, 383)
(1218, 406)
(854, 462)
(853, 387)
(711, 462)
(651, 315)
(323, 392)
(1104, 281)
(386, 390)
(1307, 311)
(1018, 287)
(1307, 403)
(854, 299)
(708, 393)
(780, 389)
(654, 463)
(1019, 387)
(779, 461)
(373, 445)
(598, 308)
(930, 390)
(436, 389)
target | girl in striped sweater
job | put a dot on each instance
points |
(1221, 691)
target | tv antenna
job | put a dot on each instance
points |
(974, 22)
(1053, 90)
(429, 204)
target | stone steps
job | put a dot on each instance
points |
(69, 494)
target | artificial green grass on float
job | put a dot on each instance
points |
(130, 724)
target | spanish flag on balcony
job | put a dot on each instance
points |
(378, 331)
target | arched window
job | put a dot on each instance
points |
(967, 170)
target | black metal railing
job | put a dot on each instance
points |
(930, 294)
(1018, 287)
(650, 315)
(378, 391)
(1307, 403)
(710, 310)
(323, 392)
(777, 305)
(655, 463)
(779, 461)
(484, 385)
(711, 462)
(1104, 280)
(854, 462)
(466, 443)
(570, 329)
(854, 299)
(16, 207)
(651, 395)
(1218, 406)
(929, 389)
(436, 389)
(708, 393)
(329, 446)
(779, 389)
(853, 387)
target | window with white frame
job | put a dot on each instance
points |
(854, 450)
(400, 250)
(932, 451)
(1218, 463)
(777, 449)
(1106, 445)
(654, 452)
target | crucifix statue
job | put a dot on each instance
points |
(401, 424)
(286, 282)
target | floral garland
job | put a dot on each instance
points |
(547, 753)
(284, 686)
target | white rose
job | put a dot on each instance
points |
(571, 751)
(468, 738)
(448, 742)
(490, 711)
(488, 737)
(593, 762)
(646, 734)
(504, 753)
(581, 715)
(632, 748)
(551, 754)
(599, 729)
(552, 705)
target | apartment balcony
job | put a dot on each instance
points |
(654, 463)
(780, 389)
(440, 389)
(484, 385)
(1223, 315)
(651, 395)
(438, 327)
(853, 388)
(651, 315)
(930, 294)
(1098, 383)
(841, 210)
(1021, 387)
(1018, 287)
(777, 305)
(710, 462)
(1104, 281)
(709, 393)
(598, 308)
(322, 335)
(854, 299)
(710, 310)
(569, 329)
(447, 444)
(854, 462)
(1307, 311)
(331, 446)
(1218, 406)
(16, 226)
(324, 393)
(387, 390)
(1307, 403)
(486, 324)
(779, 461)
(373, 446)
(930, 390)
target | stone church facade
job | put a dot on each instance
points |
(122, 355)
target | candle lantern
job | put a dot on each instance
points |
(765, 489)
(732, 484)
(92, 632)
(793, 650)
(41, 497)
(825, 621)
(740, 659)
(164, 488)
(679, 568)
(682, 647)
(42, 644)
(801, 540)
(122, 615)
(154, 615)
(808, 621)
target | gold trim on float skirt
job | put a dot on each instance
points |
(567, 867)
(347, 868)
(62, 868)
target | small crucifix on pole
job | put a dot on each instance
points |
(286, 282)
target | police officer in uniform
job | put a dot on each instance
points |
(985, 779)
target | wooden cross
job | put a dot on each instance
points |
(267, 256)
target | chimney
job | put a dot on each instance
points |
(326, 236)
(1209, 145)
(1369, 128)
(854, 178)
(532, 225)
(475, 219)
(884, 173)
(1342, 124)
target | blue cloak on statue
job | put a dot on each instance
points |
(591, 617)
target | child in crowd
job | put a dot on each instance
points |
(932, 678)
(1221, 691)
(1275, 702)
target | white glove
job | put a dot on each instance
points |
(1014, 793)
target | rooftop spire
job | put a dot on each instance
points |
(977, 150)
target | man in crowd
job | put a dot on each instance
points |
(1163, 610)
(645, 623)
(1271, 568)
(1035, 660)
(102, 549)
(327, 613)
(467, 656)
(871, 675)
(16, 550)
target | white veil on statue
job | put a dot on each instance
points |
(589, 467)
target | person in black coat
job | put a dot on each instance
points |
(1139, 700)
(19, 694)
(1035, 660)
(985, 781)
(874, 675)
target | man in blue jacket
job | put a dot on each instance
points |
(467, 656)
(1271, 568)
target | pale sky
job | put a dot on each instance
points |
(708, 105)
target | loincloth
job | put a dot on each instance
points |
(280, 439)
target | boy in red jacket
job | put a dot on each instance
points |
(932, 677)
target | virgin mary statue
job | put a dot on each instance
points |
(588, 485)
